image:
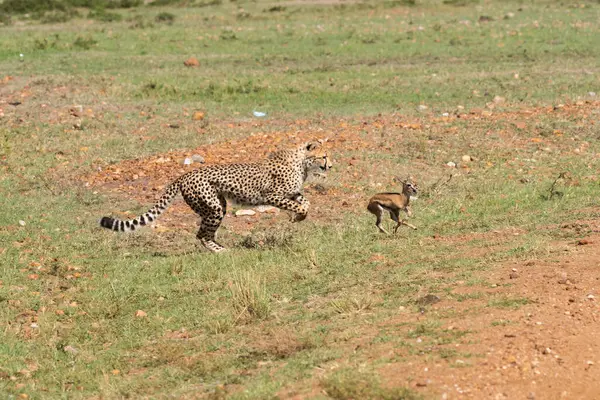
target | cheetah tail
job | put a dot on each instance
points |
(152, 214)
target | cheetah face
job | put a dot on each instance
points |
(317, 163)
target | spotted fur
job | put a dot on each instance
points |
(276, 181)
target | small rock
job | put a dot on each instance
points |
(259, 114)
(421, 384)
(267, 209)
(21, 222)
(197, 158)
(499, 100)
(592, 94)
(460, 362)
(70, 349)
(591, 297)
(422, 107)
(34, 325)
(191, 62)
(547, 350)
(563, 278)
(141, 314)
(451, 164)
(513, 275)
(509, 15)
(445, 114)
(467, 158)
(242, 213)
(428, 300)
(583, 242)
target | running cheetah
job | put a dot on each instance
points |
(276, 181)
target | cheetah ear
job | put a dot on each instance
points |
(310, 146)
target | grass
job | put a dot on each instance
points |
(286, 303)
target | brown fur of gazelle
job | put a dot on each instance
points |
(393, 203)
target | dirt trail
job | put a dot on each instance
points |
(548, 349)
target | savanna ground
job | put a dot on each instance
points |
(100, 111)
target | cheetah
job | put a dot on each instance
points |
(276, 181)
(393, 203)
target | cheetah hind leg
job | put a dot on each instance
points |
(209, 225)
(207, 233)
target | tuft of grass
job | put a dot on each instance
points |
(351, 383)
(165, 17)
(353, 304)
(513, 303)
(85, 43)
(104, 16)
(249, 296)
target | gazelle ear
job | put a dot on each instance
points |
(398, 179)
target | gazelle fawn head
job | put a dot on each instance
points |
(409, 186)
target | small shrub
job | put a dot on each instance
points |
(267, 239)
(227, 34)
(84, 43)
(349, 383)
(165, 17)
(460, 3)
(32, 6)
(138, 22)
(104, 16)
(164, 2)
(208, 3)
(57, 17)
(5, 19)
(123, 3)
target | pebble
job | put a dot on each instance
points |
(451, 164)
(70, 349)
(267, 209)
(423, 107)
(198, 158)
(242, 213)
(21, 222)
(591, 297)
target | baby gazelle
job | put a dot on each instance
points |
(393, 203)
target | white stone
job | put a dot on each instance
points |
(242, 213)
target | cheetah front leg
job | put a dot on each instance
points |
(299, 205)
